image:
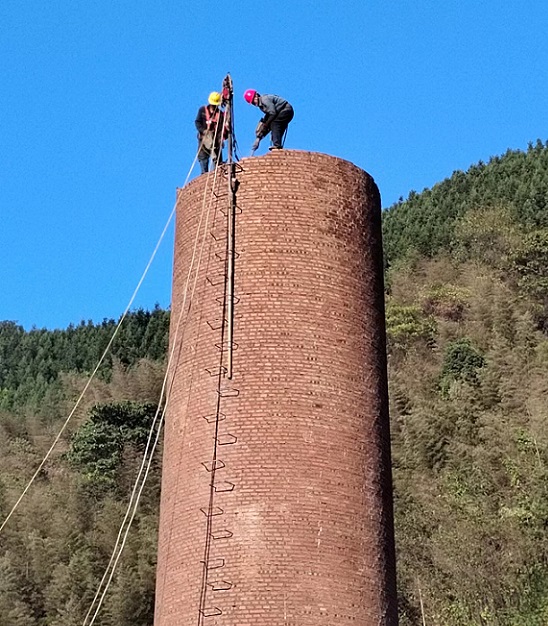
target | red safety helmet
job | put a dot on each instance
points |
(249, 95)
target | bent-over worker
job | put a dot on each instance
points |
(277, 115)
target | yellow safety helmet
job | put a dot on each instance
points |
(214, 98)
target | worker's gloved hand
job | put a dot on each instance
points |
(255, 145)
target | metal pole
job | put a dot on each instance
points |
(231, 231)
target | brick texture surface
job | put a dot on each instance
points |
(276, 495)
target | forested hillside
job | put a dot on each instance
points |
(54, 550)
(516, 182)
(467, 296)
(30, 362)
(467, 323)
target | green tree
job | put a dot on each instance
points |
(462, 362)
(97, 448)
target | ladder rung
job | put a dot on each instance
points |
(228, 392)
(222, 534)
(228, 486)
(220, 256)
(220, 585)
(237, 210)
(215, 371)
(226, 439)
(221, 300)
(215, 511)
(211, 611)
(217, 323)
(213, 417)
(221, 237)
(211, 466)
(225, 345)
(217, 279)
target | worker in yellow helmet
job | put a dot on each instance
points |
(210, 122)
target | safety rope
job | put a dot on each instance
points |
(99, 363)
(159, 415)
(149, 452)
(183, 434)
(104, 355)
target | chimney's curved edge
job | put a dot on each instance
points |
(285, 156)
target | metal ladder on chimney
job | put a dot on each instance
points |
(214, 584)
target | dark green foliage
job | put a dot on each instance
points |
(471, 463)
(55, 550)
(528, 263)
(426, 222)
(97, 448)
(486, 234)
(462, 362)
(30, 362)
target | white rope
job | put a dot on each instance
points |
(196, 276)
(103, 356)
(136, 484)
(132, 507)
(134, 500)
(149, 452)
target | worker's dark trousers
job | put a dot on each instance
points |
(204, 155)
(280, 124)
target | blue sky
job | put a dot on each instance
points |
(98, 99)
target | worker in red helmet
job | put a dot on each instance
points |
(277, 115)
(210, 124)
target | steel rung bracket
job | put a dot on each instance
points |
(211, 611)
(221, 300)
(217, 323)
(215, 511)
(220, 585)
(211, 419)
(211, 466)
(226, 439)
(221, 237)
(216, 280)
(218, 195)
(228, 487)
(221, 256)
(237, 210)
(225, 345)
(222, 534)
(215, 371)
(228, 392)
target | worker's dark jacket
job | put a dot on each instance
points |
(205, 122)
(273, 107)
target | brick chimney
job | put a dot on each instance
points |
(276, 493)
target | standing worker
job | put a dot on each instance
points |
(210, 121)
(278, 113)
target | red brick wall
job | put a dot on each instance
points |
(301, 530)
